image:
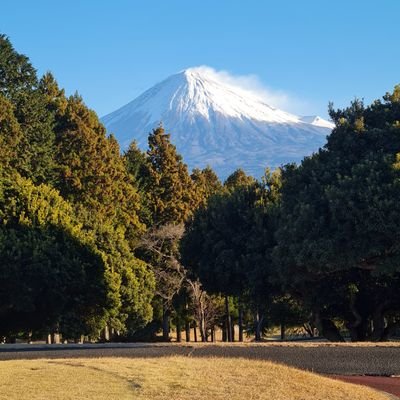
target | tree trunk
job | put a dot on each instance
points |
(195, 331)
(258, 326)
(378, 326)
(328, 329)
(390, 329)
(240, 322)
(187, 331)
(228, 320)
(79, 339)
(48, 338)
(56, 338)
(178, 330)
(224, 337)
(203, 333)
(357, 327)
(106, 334)
(165, 324)
(309, 328)
(213, 334)
(379, 323)
(282, 331)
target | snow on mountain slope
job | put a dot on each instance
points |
(216, 123)
(317, 121)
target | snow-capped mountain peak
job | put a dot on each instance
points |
(317, 121)
(215, 122)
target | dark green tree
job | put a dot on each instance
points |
(19, 85)
(53, 277)
(10, 135)
(138, 168)
(171, 188)
(228, 245)
(337, 238)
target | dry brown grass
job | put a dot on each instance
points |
(177, 378)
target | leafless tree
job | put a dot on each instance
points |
(161, 244)
(205, 307)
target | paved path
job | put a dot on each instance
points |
(340, 360)
(383, 383)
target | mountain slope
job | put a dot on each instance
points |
(215, 123)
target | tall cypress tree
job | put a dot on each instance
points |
(10, 135)
(91, 170)
(171, 188)
(206, 184)
(138, 167)
(92, 175)
(19, 84)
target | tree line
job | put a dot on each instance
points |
(123, 246)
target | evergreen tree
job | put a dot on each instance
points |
(228, 246)
(206, 184)
(53, 277)
(171, 189)
(10, 135)
(19, 85)
(138, 168)
(237, 179)
(339, 218)
(92, 172)
(93, 176)
(170, 199)
(49, 138)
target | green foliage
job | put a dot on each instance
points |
(228, 243)
(52, 275)
(171, 189)
(340, 216)
(16, 73)
(138, 168)
(132, 281)
(237, 179)
(92, 173)
(19, 85)
(319, 238)
(206, 184)
(69, 257)
(10, 135)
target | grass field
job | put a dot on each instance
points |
(177, 378)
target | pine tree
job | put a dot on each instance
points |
(206, 184)
(52, 274)
(138, 167)
(237, 179)
(92, 172)
(171, 188)
(19, 85)
(10, 135)
(47, 137)
(171, 197)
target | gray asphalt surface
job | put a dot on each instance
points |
(382, 361)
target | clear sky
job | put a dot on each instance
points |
(309, 51)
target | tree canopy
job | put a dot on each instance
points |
(339, 219)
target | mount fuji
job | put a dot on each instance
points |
(214, 122)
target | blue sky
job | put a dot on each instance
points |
(310, 52)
